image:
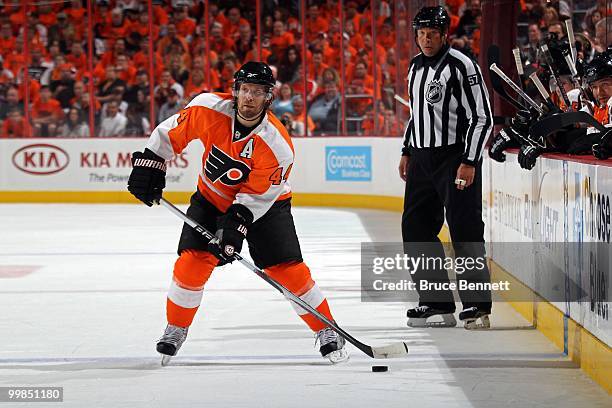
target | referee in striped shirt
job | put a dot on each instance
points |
(441, 164)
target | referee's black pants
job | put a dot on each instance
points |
(430, 190)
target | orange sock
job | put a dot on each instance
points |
(296, 277)
(191, 271)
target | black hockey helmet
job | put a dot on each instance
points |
(432, 17)
(558, 48)
(254, 72)
(599, 68)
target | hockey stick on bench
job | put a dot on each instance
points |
(390, 351)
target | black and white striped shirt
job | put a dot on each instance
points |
(449, 104)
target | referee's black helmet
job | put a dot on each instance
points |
(432, 17)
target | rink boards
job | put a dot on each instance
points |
(558, 201)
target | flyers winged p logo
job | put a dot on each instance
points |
(220, 166)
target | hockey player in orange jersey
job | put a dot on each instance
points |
(242, 193)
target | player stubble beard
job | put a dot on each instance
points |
(249, 116)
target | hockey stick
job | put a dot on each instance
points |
(496, 83)
(516, 88)
(554, 73)
(401, 100)
(572, 40)
(390, 351)
(552, 123)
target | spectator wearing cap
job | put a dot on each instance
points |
(233, 22)
(170, 107)
(74, 125)
(7, 39)
(114, 123)
(281, 38)
(15, 125)
(109, 85)
(46, 114)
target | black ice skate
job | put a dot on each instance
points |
(332, 345)
(170, 343)
(471, 317)
(419, 317)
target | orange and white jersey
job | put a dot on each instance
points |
(602, 115)
(250, 170)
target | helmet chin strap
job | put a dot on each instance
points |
(253, 119)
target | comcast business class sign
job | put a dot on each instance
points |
(348, 163)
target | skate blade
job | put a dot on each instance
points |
(473, 324)
(165, 360)
(338, 356)
(448, 320)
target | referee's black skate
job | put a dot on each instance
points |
(474, 318)
(170, 343)
(420, 317)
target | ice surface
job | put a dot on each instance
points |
(82, 302)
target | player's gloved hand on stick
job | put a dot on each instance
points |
(528, 156)
(500, 143)
(603, 148)
(148, 177)
(232, 229)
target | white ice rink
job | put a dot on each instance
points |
(82, 302)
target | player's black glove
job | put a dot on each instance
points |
(528, 156)
(500, 143)
(232, 229)
(148, 177)
(603, 148)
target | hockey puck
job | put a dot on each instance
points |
(380, 369)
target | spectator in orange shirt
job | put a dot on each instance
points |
(281, 38)
(185, 25)
(110, 57)
(7, 40)
(46, 15)
(218, 43)
(172, 36)
(118, 27)
(46, 114)
(33, 90)
(198, 65)
(15, 126)
(195, 85)
(141, 59)
(317, 66)
(76, 12)
(125, 70)
(233, 23)
(315, 24)
(77, 57)
(300, 118)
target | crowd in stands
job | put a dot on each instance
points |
(123, 93)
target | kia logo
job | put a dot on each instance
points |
(40, 159)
